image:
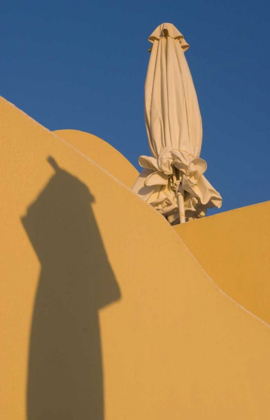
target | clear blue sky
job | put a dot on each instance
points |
(82, 65)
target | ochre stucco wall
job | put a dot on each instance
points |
(102, 153)
(105, 313)
(234, 249)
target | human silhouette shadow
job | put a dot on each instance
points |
(65, 378)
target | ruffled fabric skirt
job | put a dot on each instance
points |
(156, 184)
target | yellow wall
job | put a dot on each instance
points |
(214, 241)
(234, 249)
(103, 306)
(102, 153)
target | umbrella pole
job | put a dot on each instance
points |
(181, 206)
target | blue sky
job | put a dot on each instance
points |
(82, 65)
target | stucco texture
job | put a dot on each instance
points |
(105, 313)
(101, 153)
(234, 249)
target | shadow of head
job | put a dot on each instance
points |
(65, 378)
(77, 186)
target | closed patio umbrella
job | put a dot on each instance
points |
(172, 180)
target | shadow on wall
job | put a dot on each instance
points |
(65, 378)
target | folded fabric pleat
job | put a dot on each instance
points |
(155, 184)
(174, 130)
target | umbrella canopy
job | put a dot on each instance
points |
(174, 130)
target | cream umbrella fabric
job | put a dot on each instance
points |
(174, 129)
